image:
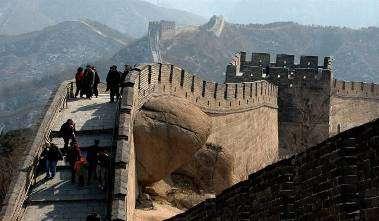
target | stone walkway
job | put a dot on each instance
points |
(59, 199)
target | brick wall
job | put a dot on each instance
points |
(244, 115)
(352, 104)
(335, 180)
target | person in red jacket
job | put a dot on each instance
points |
(79, 82)
(73, 156)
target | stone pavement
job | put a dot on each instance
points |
(57, 198)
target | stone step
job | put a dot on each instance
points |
(105, 139)
(64, 211)
(60, 188)
(94, 132)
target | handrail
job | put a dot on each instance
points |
(12, 207)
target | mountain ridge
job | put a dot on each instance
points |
(126, 16)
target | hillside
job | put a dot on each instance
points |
(32, 64)
(126, 16)
(355, 51)
(12, 149)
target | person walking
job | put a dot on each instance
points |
(89, 80)
(79, 82)
(102, 161)
(96, 82)
(92, 160)
(113, 82)
(67, 131)
(52, 155)
(73, 156)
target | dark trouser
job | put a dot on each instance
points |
(66, 142)
(91, 170)
(51, 168)
(115, 92)
(72, 174)
(95, 90)
(79, 89)
(89, 91)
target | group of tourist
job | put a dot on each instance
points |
(85, 164)
(87, 81)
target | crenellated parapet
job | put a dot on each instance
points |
(351, 89)
(210, 96)
(283, 70)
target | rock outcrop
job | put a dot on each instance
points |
(168, 131)
(210, 169)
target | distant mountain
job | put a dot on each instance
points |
(126, 16)
(356, 52)
(32, 64)
(349, 13)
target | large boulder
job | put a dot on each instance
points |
(210, 169)
(168, 131)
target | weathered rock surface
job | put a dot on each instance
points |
(167, 133)
(210, 169)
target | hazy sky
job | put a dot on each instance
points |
(351, 13)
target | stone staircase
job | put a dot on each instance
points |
(58, 198)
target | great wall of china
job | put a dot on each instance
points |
(264, 111)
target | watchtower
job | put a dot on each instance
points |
(304, 91)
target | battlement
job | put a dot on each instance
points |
(164, 29)
(284, 71)
(282, 60)
(212, 97)
(353, 89)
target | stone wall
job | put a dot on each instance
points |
(249, 138)
(244, 115)
(335, 180)
(352, 104)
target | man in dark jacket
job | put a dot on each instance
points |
(52, 155)
(89, 81)
(96, 82)
(113, 83)
(67, 131)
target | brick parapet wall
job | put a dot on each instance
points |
(350, 89)
(124, 186)
(12, 207)
(337, 179)
(210, 96)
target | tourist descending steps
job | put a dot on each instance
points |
(79, 82)
(113, 83)
(73, 156)
(67, 132)
(92, 160)
(51, 154)
(102, 169)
